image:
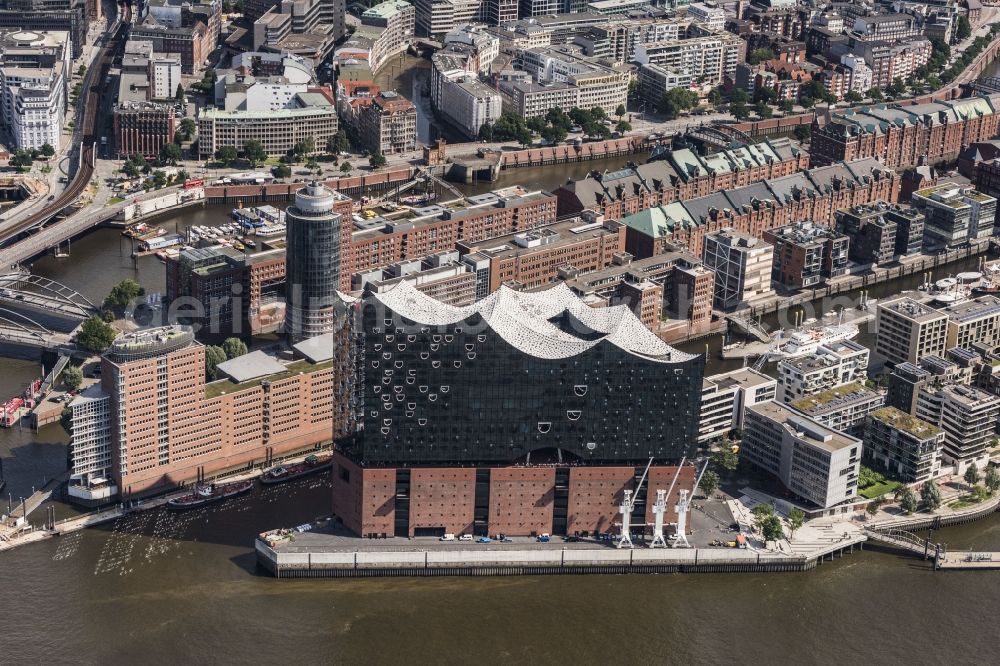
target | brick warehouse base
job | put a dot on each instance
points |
(519, 501)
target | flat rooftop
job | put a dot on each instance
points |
(912, 310)
(835, 399)
(906, 423)
(744, 377)
(804, 427)
(978, 308)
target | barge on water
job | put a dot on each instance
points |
(284, 473)
(209, 494)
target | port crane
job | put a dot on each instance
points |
(683, 505)
(660, 510)
(626, 508)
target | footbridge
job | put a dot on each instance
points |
(22, 288)
(905, 541)
(38, 312)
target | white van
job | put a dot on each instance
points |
(447, 537)
(465, 537)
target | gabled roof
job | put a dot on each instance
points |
(700, 208)
(660, 221)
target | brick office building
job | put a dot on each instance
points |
(452, 444)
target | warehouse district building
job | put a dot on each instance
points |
(525, 412)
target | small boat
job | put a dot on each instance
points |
(283, 473)
(209, 494)
(249, 243)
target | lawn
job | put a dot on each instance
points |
(879, 489)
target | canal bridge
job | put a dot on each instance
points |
(38, 312)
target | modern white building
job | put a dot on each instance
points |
(709, 16)
(861, 77)
(909, 330)
(165, 74)
(390, 26)
(817, 463)
(725, 397)
(710, 58)
(34, 79)
(833, 364)
(435, 18)
(968, 417)
(484, 45)
(742, 266)
(842, 408)
(90, 447)
(902, 446)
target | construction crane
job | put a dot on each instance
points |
(683, 504)
(626, 508)
(660, 510)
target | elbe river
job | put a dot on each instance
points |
(158, 587)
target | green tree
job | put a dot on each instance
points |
(234, 347)
(762, 511)
(486, 132)
(758, 56)
(897, 87)
(771, 529)
(980, 493)
(82, 70)
(554, 133)
(623, 126)
(971, 474)
(992, 479)
(763, 110)
(123, 294)
(306, 146)
(346, 167)
(159, 179)
(95, 335)
(963, 30)
(714, 97)
(254, 151)
(181, 176)
(188, 127)
(598, 113)
(620, 111)
(47, 150)
(853, 96)
(739, 110)
(214, 355)
(677, 100)
(709, 483)
(796, 518)
(873, 507)
(930, 495)
(226, 154)
(66, 420)
(908, 501)
(179, 93)
(72, 377)
(875, 94)
(282, 171)
(170, 153)
(869, 477)
(726, 459)
(803, 132)
(376, 160)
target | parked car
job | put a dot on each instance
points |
(447, 537)
(465, 537)
(484, 539)
(543, 538)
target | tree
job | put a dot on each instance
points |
(803, 132)
(95, 335)
(714, 97)
(214, 355)
(188, 127)
(179, 93)
(739, 110)
(992, 479)
(709, 483)
(930, 495)
(486, 132)
(346, 167)
(873, 507)
(771, 529)
(796, 518)
(620, 111)
(726, 459)
(123, 294)
(897, 87)
(676, 100)
(908, 501)
(762, 511)
(337, 143)
(786, 105)
(47, 150)
(853, 96)
(226, 154)
(282, 171)
(181, 176)
(554, 133)
(306, 146)
(598, 113)
(763, 110)
(82, 70)
(170, 153)
(623, 126)
(971, 475)
(869, 477)
(874, 94)
(234, 347)
(72, 377)
(963, 30)
(377, 160)
(758, 56)
(159, 179)
(254, 151)
(66, 420)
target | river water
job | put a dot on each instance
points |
(167, 587)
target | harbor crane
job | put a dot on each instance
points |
(660, 510)
(626, 508)
(683, 505)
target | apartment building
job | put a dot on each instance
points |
(65, 16)
(435, 18)
(307, 28)
(725, 398)
(168, 426)
(968, 417)
(193, 41)
(974, 322)
(833, 364)
(806, 253)
(390, 26)
(742, 266)
(534, 258)
(34, 79)
(388, 125)
(457, 93)
(909, 330)
(955, 215)
(655, 80)
(442, 276)
(710, 58)
(904, 386)
(880, 233)
(312, 115)
(902, 446)
(90, 449)
(817, 463)
(711, 17)
(842, 408)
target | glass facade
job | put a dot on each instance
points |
(312, 262)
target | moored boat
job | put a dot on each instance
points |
(209, 494)
(283, 473)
